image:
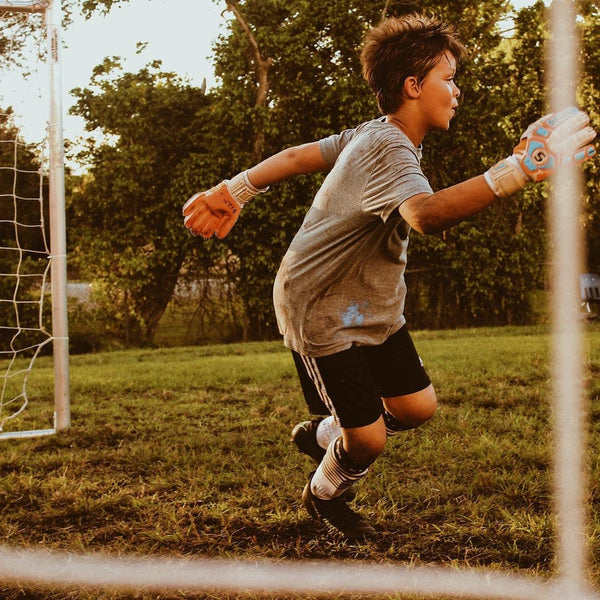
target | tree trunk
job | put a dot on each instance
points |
(261, 67)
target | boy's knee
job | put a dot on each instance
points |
(413, 410)
(425, 409)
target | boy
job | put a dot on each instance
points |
(339, 292)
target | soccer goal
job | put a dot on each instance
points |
(33, 273)
(223, 577)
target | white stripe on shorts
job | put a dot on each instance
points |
(313, 372)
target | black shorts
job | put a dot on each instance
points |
(350, 384)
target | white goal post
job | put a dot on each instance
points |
(52, 12)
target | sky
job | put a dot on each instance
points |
(178, 32)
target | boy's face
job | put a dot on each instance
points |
(439, 93)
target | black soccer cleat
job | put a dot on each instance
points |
(304, 435)
(337, 515)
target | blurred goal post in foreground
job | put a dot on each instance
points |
(52, 20)
(69, 570)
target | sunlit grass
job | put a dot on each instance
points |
(186, 452)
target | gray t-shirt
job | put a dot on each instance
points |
(341, 281)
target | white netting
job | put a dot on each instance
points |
(24, 250)
(24, 268)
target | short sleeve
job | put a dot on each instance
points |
(332, 146)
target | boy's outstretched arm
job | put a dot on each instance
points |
(553, 140)
(433, 213)
(217, 210)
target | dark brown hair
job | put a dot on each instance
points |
(401, 47)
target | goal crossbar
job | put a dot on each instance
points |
(25, 5)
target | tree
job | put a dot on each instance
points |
(316, 89)
(303, 104)
(125, 223)
(481, 272)
(590, 100)
(290, 73)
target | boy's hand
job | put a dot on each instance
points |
(546, 144)
(217, 210)
(212, 212)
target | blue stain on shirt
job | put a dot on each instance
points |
(352, 315)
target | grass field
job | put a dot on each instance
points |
(186, 452)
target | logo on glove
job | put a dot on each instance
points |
(539, 156)
(230, 205)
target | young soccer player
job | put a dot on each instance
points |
(339, 292)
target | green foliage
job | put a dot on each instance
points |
(125, 214)
(590, 100)
(88, 7)
(92, 329)
(316, 89)
(481, 271)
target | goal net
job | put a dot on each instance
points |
(32, 231)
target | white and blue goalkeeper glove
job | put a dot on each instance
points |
(553, 140)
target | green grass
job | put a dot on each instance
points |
(186, 452)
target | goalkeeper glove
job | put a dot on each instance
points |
(217, 210)
(553, 140)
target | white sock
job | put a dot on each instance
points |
(327, 431)
(332, 478)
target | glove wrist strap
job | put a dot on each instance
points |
(506, 177)
(242, 190)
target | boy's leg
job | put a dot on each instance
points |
(304, 434)
(371, 393)
(340, 386)
(345, 387)
(408, 395)
(325, 496)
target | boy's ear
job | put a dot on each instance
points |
(411, 87)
